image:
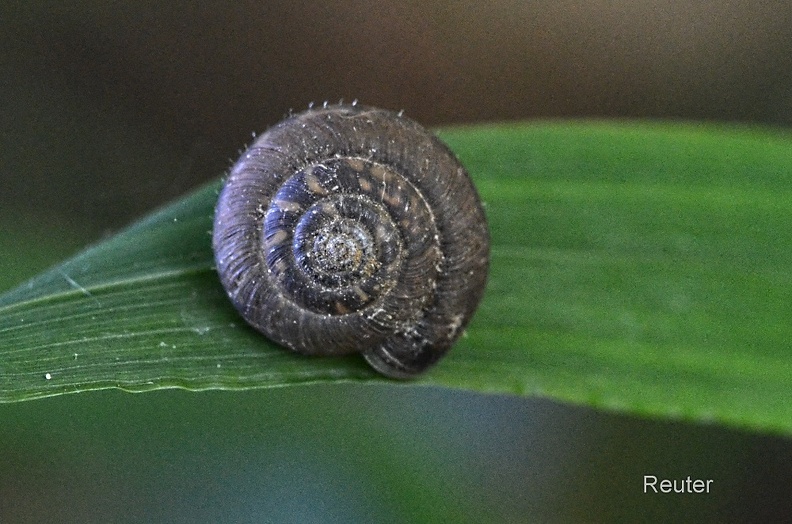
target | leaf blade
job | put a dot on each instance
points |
(638, 267)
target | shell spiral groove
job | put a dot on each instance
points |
(353, 229)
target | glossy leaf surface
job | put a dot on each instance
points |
(638, 267)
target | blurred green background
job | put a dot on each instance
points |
(109, 110)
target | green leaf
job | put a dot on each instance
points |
(637, 267)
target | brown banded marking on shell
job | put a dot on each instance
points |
(353, 229)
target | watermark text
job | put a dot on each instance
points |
(652, 484)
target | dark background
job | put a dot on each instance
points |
(137, 101)
(108, 110)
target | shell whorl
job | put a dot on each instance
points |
(353, 229)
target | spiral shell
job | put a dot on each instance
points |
(353, 229)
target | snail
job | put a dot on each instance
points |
(351, 229)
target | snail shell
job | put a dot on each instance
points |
(353, 229)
